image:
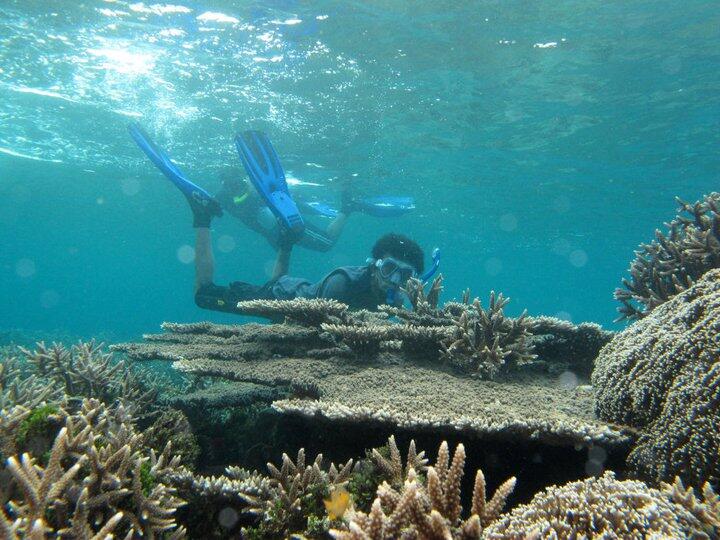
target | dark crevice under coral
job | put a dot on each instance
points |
(252, 436)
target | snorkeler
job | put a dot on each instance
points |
(237, 198)
(395, 258)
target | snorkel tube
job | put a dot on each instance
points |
(435, 265)
(392, 291)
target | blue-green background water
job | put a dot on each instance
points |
(542, 140)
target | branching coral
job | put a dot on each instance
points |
(172, 425)
(608, 508)
(18, 387)
(483, 343)
(85, 370)
(44, 491)
(296, 503)
(662, 375)
(98, 478)
(392, 466)
(430, 511)
(673, 261)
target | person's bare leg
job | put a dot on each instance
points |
(335, 228)
(204, 259)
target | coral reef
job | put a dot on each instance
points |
(430, 509)
(223, 395)
(662, 375)
(608, 508)
(673, 261)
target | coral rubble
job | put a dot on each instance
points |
(662, 375)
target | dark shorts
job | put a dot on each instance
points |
(219, 298)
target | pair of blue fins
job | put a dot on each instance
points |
(267, 176)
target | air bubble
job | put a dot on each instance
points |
(186, 254)
(25, 268)
(508, 222)
(493, 266)
(226, 243)
(578, 258)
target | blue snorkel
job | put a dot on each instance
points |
(435, 265)
(391, 292)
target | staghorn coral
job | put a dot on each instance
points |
(304, 311)
(100, 474)
(18, 386)
(296, 504)
(430, 511)
(238, 488)
(425, 311)
(392, 466)
(172, 425)
(606, 508)
(84, 370)
(44, 491)
(662, 375)
(484, 343)
(123, 475)
(673, 261)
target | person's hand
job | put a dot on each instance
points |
(286, 239)
(348, 205)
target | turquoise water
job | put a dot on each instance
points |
(543, 141)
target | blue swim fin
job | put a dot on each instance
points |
(320, 209)
(201, 202)
(266, 174)
(385, 206)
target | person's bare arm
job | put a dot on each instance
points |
(282, 261)
(204, 260)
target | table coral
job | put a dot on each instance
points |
(662, 375)
(393, 388)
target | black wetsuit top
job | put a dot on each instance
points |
(351, 285)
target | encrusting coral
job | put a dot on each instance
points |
(673, 261)
(662, 376)
(608, 508)
(431, 509)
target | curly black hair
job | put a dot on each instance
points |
(402, 248)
